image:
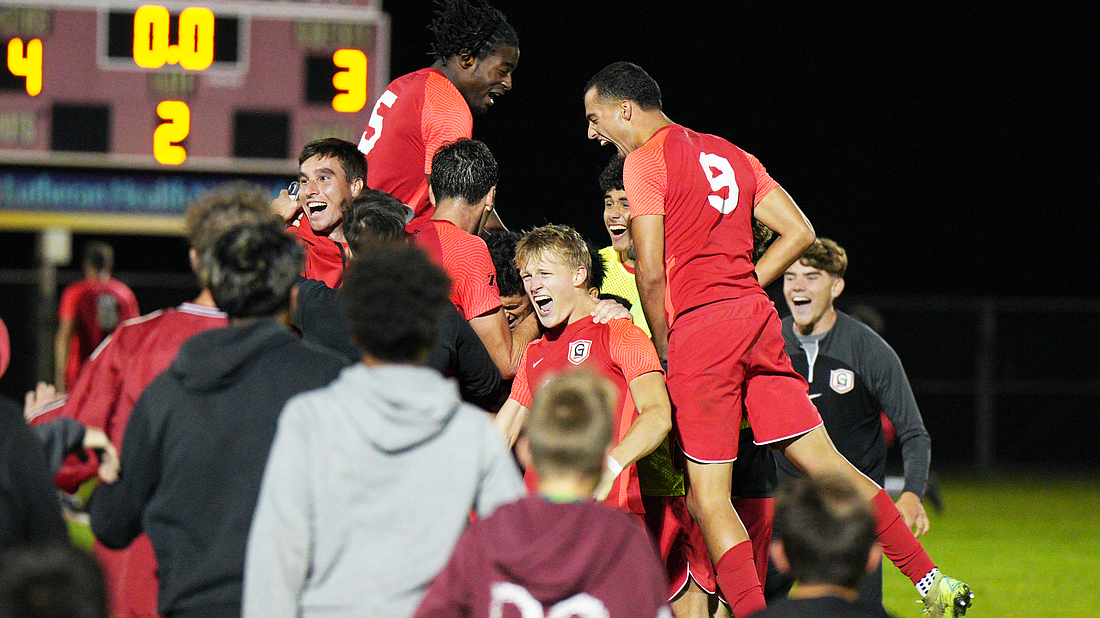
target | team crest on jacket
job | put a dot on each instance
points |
(842, 380)
(578, 351)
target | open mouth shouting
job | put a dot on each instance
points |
(543, 304)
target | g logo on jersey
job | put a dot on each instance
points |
(842, 380)
(578, 351)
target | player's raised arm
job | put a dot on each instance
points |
(649, 244)
(781, 215)
(505, 345)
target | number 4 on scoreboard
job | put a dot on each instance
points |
(166, 137)
(26, 64)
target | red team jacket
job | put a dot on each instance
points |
(103, 397)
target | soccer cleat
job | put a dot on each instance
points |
(948, 597)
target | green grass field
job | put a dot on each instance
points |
(1028, 545)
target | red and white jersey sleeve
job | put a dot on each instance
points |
(416, 114)
(632, 350)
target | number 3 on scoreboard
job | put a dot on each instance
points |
(366, 143)
(166, 137)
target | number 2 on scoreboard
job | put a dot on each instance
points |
(168, 134)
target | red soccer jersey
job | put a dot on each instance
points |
(706, 188)
(618, 350)
(325, 258)
(466, 259)
(96, 308)
(103, 397)
(417, 114)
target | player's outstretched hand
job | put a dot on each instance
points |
(42, 399)
(912, 511)
(607, 310)
(285, 207)
(97, 441)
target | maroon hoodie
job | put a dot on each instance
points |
(534, 558)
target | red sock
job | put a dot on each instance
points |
(898, 542)
(736, 575)
(758, 514)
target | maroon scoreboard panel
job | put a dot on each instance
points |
(174, 82)
(106, 105)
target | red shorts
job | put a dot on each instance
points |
(680, 543)
(726, 355)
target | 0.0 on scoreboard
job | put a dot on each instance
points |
(214, 84)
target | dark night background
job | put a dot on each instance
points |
(951, 149)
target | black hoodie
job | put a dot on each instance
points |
(193, 456)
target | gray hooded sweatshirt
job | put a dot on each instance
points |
(369, 484)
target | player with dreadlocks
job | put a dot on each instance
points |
(475, 52)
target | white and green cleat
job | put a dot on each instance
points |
(948, 597)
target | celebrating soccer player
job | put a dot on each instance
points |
(693, 197)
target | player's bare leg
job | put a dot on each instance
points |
(693, 602)
(814, 454)
(708, 501)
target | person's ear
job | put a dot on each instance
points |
(357, 187)
(466, 62)
(779, 556)
(523, 451)
(579, 276)
(874, 558)
(838, 287)
(294, 300)
(626, 109)
(194, 258)
(490, 199)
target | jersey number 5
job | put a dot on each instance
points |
(366, 143)
(719, 172)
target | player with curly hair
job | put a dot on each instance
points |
(475, 50)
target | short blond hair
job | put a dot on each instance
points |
(559, 242)
(570, 426)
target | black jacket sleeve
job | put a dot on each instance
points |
(60, 438)
(116, 509)
(29, 511)
(468, 361)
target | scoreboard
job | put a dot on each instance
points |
(134, 107)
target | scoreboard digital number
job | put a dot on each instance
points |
(221, 86)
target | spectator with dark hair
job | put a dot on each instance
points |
(373, 217)
(331, 172)
(556, 552)
(198, 438)
(372, 479)
(89, 311)
(28, 507)
(475, 50)
(138, 351)
(825, 540)
(855, 377)
(52, 581)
